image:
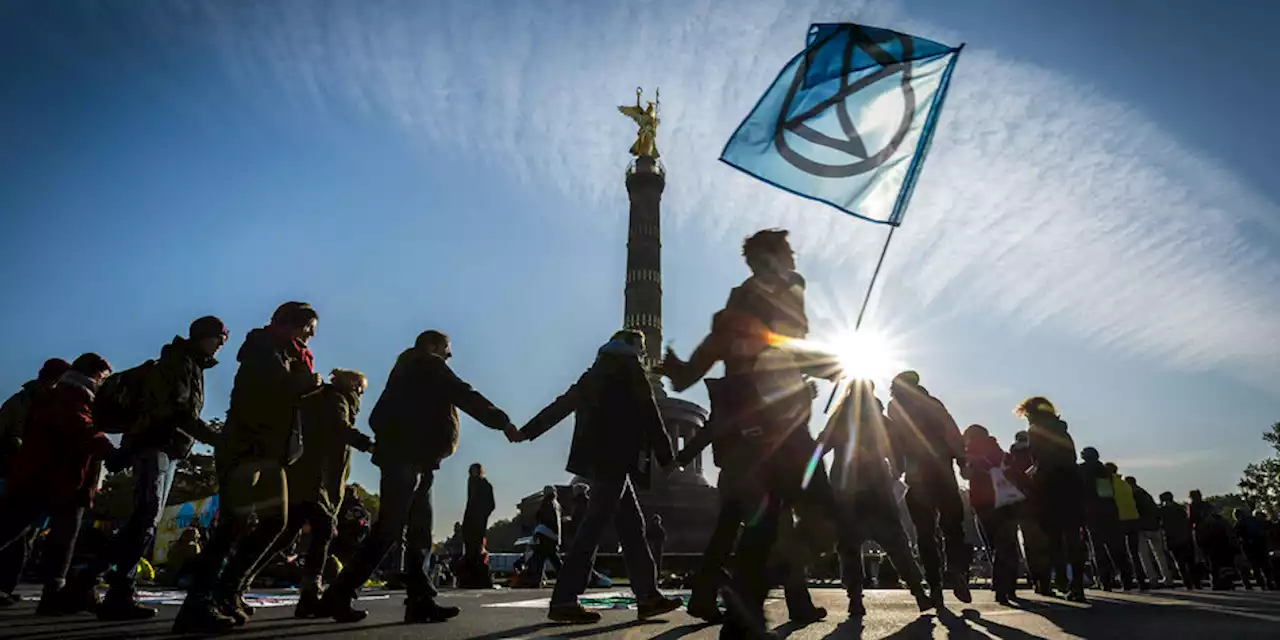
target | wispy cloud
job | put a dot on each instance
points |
(1130, 466)
(1044, 203)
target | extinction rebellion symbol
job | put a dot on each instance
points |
(852, 144)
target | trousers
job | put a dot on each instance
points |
(613, 501)
(406, 503)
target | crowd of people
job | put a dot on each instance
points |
(283, 457)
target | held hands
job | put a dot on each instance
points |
(513, 434)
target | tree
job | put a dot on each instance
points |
(1260, 483)
(370, 501)
(194, 478)
(502, 535)
(1227, 504)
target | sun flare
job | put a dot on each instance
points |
(866, 355)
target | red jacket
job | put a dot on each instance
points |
(61, 445)
(981, 455)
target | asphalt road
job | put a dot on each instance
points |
(513, 614)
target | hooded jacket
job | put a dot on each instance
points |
(925, 436)
(617, 419)
(328, 433)
(416, 417)
(266, 400)
(982, 453)
(62, 445)
(172, 399)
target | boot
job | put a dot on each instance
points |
(961, 590)
(808, 616)
(309, 604)
(199, 614)
(657, 605)
(573, 613)
(79, 596)
(50, 601)
(233, 606)
(337, 604)
(120, 606)
(426, 610)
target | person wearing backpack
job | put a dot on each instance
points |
(53, 475)
(165, 398)
(263, 436)
(983, 454)
(927, 440)
(1102, 518)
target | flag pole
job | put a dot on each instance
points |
(866, 301)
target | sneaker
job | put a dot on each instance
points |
(1077, 596)
(573, 613)
(120, 606)
(201, 615)
(234, 607)
(810, 615)
(338, 606)
(657, 606)
(309, 605)
(426, 610)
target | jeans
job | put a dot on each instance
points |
(153, 471)
(20, 515)
(1000, 533)
(406, 502)
(613, 501)
(317, 553)
(256, 486)
(933, 500)
(876, 520)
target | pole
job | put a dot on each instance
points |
(866, 301)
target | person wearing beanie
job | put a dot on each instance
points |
(928, 443)
(262, 437)
(54, 475)
(170, 401)
(1102, 518)
(1055, 495)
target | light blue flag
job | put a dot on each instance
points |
(848, 121)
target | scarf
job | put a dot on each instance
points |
(282, 336)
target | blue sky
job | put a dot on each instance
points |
(1097, 222)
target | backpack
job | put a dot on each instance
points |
(117, 405)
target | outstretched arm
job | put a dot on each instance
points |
(472, 402)
(555, 412)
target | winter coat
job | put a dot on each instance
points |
(328, 433)
(172, 398)
(981, 455)
(1126, 505)
(617, 419)
(1148, 510)
(1174, 522)
(1017, 462)
(1051, 444)
(925, 436)
(480, 502)
(416, 417)
(13, 421)
(266, 399)
(62, 448)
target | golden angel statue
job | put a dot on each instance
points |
(647, 120)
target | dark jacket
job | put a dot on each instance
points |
(617, 417)
(1148, 510)
(1051, 444)
(925, 436)
(1176, 526)
(858, 432)
(13, 421)
(1099, 493)
(172, 398)
(328, 432)
(549, 514)
(1017, 462)
(416, 417)
(266, 400)
(480, 502)
(62, 448)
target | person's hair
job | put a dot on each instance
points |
(430, 339)
(477, 468)
(1167, 495)
(349, 379)
(294, 315)
(1195, 493)
(1131, 480)
(52, 370)
(764, 244)
(976, 430)
(629, 336)
(1089, 454)
(1111, 466)
(91, 364)
(907, 378)
(1035, 406)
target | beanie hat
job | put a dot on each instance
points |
(52, 370)
(207, 327)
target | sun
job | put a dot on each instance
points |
(866, 355)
